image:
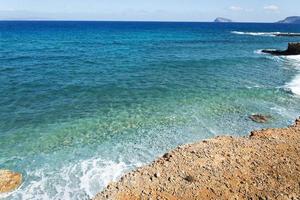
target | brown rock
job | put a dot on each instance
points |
(265, 165)
(9, 180)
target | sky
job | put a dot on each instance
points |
(151, 10)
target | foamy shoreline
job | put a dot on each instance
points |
(265, 164)
(294, 84)
(294, 62)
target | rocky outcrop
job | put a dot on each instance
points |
(9, 180)
(265, 165)
(287, 34)
(293, 49)
(291, 20)
(222, 20)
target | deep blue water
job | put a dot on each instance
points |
(83, 102)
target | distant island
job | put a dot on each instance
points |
(222, 20)
(290, 20)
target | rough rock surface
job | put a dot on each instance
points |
(9, 180)
(293, 49)
(265, 165)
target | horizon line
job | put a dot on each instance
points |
(162, 21)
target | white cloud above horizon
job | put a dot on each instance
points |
(236, 8)
(272, 8)
(239, 8)
(155, 10)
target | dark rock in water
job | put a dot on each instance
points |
(222, 20)
(259, 118)
(291, 20)
(293, 49)
(287, 34)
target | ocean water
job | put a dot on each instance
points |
(81, 103)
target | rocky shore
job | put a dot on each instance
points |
(293, 49)
(264, 165)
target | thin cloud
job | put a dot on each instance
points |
(272, 8)
(235, 8)
(238, 8)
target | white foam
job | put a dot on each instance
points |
(294, 60)
(270, 34)
(7, 194)
(95, 178)
(74, 181)
(294, 85)
(259, 51)
(290, 61)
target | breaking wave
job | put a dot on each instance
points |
(74, 181)
(291, 61)
(294, 85)
(271, 34)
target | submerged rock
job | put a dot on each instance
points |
(9, 180)
(293, 49)
(259, 118)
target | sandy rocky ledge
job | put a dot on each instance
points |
(9, 180)
(265, 165)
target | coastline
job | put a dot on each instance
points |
(113, 97)
(264, 165)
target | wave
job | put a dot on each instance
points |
(260, 52)
(290, 61)
(271, 34)
(294, 85)
(271, 57)
(74, 181)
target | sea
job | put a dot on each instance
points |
(82, 103)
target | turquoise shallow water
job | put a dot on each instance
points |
(84, 102)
